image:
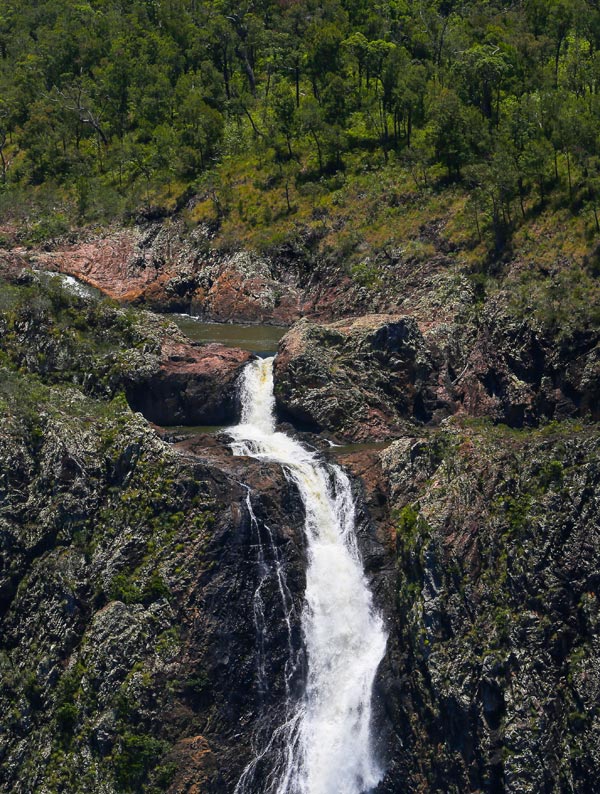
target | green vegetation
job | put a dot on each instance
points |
(44, 407)
(64, 339)
(135, 757)
(122, 588)
(407, 521)
(483, 603)
(273, 114)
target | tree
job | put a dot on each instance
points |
(200, 128)
(404, 88)
(313, 123)
(452, 131)
(323, 45)
(284, 111)
(480, 71)
(356, 49)
(4, 132)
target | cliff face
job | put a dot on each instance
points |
(495, 654)
(129, 566)
(128, 576)
(366, 378)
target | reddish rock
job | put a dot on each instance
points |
(166, 271)
(365, 465)
(239, 296)
(196, 766)
(104, 263)
(193, 385)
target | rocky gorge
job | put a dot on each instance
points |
(129, 552)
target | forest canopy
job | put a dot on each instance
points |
(113, 98)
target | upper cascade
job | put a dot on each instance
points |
(324, 744)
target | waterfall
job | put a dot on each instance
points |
(323, 744)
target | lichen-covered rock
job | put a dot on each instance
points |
(66, 337)
(493, 667)
(361, 379)
(128, 572)
(510, 369)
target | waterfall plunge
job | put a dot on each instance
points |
(323, 744)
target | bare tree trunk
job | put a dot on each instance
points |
(319, 153)
(520, 184)
(287, 195)
(243, 56)
(257, 132)
(2, 157)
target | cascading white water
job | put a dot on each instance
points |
(323, 744)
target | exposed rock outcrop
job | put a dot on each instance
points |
(192, 385)
(512, 370)
(492, 673)
(128, 574)
(165, 266)
(65, 337)
(164, 269)
(362, 379)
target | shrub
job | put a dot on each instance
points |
(136, 756)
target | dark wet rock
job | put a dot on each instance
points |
(128, 571)
(365, 379)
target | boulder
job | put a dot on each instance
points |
(361, 379)
(192, 385)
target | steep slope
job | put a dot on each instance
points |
(128, 638)
(126, 599)
(491, 679)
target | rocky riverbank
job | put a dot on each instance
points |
(367, 378)
(410, 344)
